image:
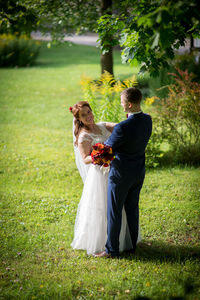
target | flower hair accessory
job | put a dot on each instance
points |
(70, 109)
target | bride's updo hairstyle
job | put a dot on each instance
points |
(75, 110)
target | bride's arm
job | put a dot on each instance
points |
(110, 126)
(85, 150)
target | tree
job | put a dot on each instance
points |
(16, 18)
(151, 31)
(59, 17)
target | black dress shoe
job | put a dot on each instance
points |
(129, 251)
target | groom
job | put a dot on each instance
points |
(128, 141)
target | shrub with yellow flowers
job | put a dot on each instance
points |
(104, 96)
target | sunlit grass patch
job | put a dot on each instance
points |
(41, 188)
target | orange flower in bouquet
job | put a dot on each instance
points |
(102, 155)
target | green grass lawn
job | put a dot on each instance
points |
(40, 190)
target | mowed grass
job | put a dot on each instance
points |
(40, 190)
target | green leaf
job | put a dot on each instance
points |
(143, 69)
(121, 25)
(155, 40)
(166, 37)
(159, 18)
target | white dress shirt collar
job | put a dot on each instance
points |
(134, 113)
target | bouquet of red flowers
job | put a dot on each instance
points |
(102, 155)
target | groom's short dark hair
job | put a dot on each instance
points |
(132, 95)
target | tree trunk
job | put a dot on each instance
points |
(107, 58)
(107, 62)
(191, 44)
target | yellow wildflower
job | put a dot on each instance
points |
(107, 78)
(129, 82)
(149, 100)
(148, 284)
(94, 87)
(118, 87)
(85, 80)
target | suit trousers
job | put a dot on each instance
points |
(122, 194)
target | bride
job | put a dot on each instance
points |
(90, 231)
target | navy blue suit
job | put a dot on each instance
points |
(128, 140)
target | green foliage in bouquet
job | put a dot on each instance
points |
(179, 116)
(17, 51)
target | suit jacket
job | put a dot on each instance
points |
(128, 141)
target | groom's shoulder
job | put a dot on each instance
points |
(122, 123)
(148, 117)
(131, 120)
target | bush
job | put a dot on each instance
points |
(179, 116)
(158, 85)
(17, 51)
(143, 84)
(153, 150)
(187, 61)
(104, 98)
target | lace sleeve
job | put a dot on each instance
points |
(84, 137)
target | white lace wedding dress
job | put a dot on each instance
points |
(90, 232)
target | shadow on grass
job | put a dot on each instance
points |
(160, 251)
